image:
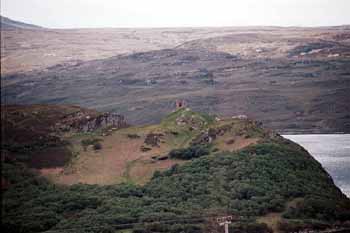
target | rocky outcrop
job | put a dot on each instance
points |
(30, 127)
(105, 120)
(81, 122)
(153, 139)
(209, 135)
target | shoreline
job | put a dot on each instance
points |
(331, 151)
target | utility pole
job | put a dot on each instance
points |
(225, 221)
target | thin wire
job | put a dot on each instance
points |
(121, 225)
(136, 223)
(39, 215)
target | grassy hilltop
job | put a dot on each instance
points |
(176, 176)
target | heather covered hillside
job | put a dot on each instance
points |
(177, 176)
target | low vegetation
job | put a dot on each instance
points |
(194, 151)
(94, 142)
(248, 183)
(197, 176)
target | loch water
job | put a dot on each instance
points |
(332, 151)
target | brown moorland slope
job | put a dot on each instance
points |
(34, 134)
(291, 79)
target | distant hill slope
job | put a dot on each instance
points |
(7, 23)
(291, 79)
(285, 94)
(174, 177)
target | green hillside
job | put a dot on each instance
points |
(272, 184)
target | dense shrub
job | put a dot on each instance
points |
(95, 142)
(318, 208)
(250, 228)
(97, 146)
(191, 152)
(133, 136)
(252, 182)
(167, 228)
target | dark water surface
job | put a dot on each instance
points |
(332, 151)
